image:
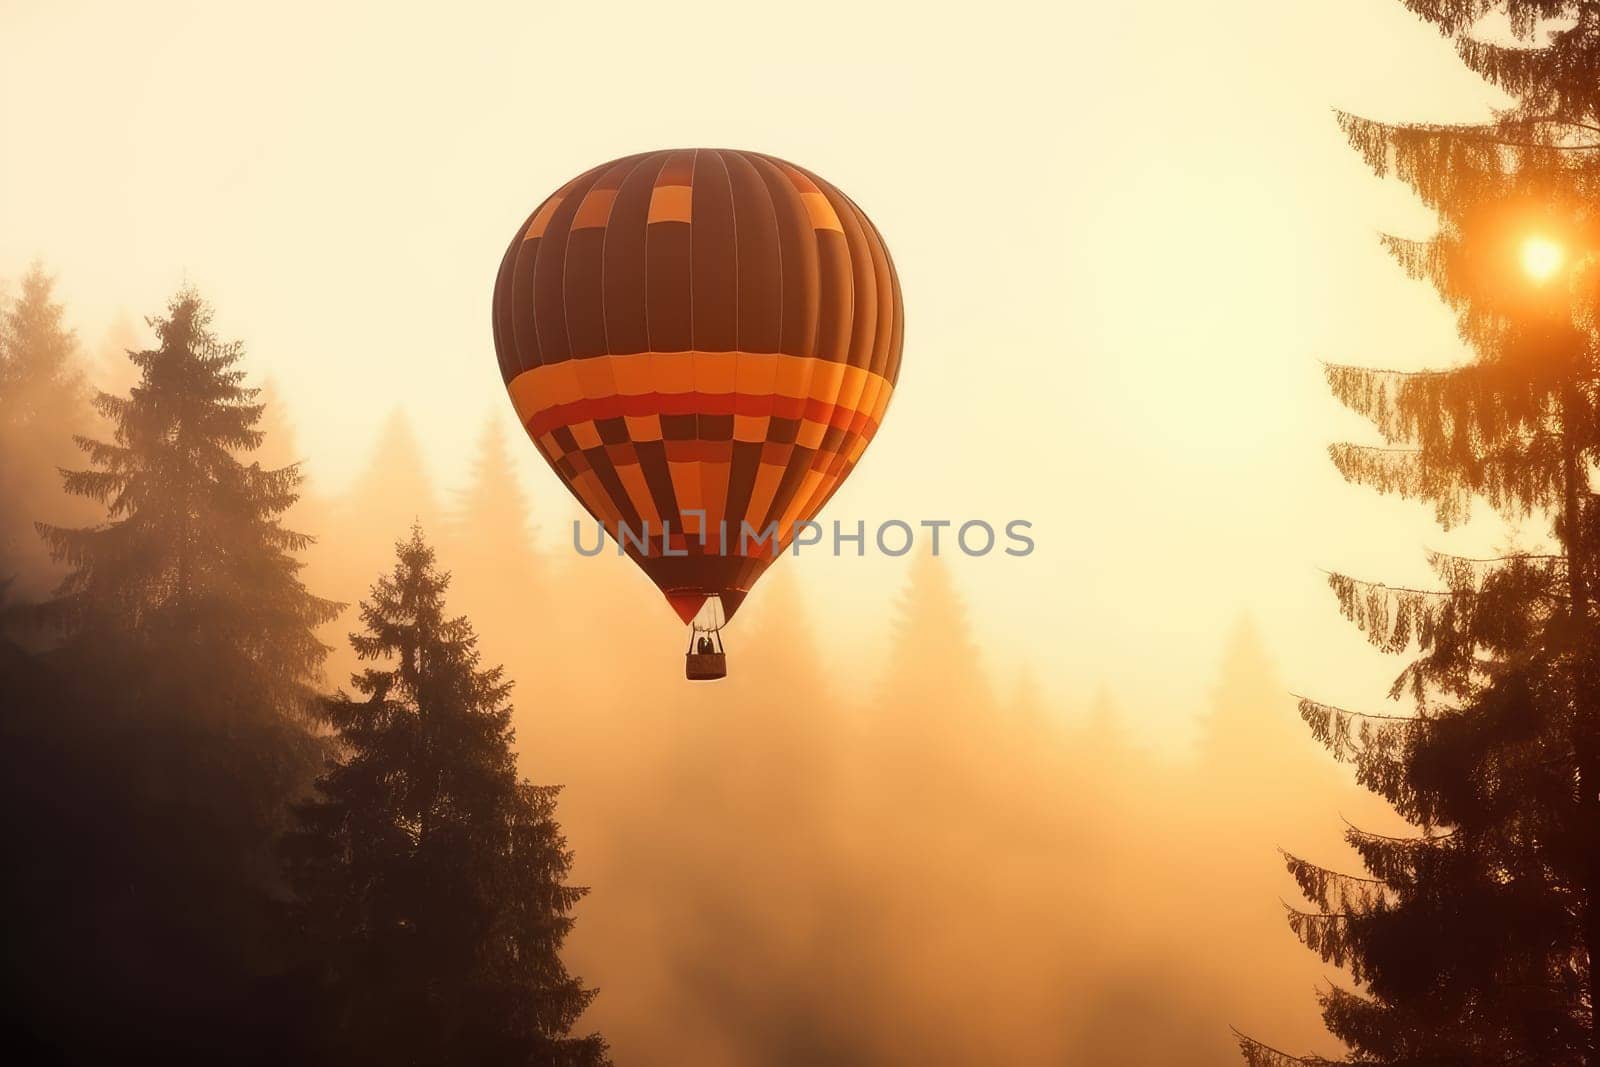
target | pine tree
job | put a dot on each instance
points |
(391, 492)
(501, 570)
(193, 555)
(182, 681)
(1472, 940)
(280, 448)
(40, 353)
(279, 445)
(43, 404)
(1250, 745)
(493, 510)
(934, 661)
(431, 874)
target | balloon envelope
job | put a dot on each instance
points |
(701, 343)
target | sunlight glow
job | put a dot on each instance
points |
(1541, 257)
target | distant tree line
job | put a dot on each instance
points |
(210, 860)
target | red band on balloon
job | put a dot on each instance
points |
(839, 416)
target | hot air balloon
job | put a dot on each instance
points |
(699, 342)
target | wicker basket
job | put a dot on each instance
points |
(705, 666)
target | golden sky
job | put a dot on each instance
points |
(1126, 235)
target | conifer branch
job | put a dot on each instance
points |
(1260, 1054)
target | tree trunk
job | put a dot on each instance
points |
(1585, 696)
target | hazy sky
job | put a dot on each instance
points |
(1126, 235)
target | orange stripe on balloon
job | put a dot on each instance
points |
(802, 377)
(644, 384)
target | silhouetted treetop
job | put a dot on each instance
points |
(43, 403)
(432, 875)
(193, 547)
(38, 353)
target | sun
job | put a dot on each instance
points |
(1541, 257)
